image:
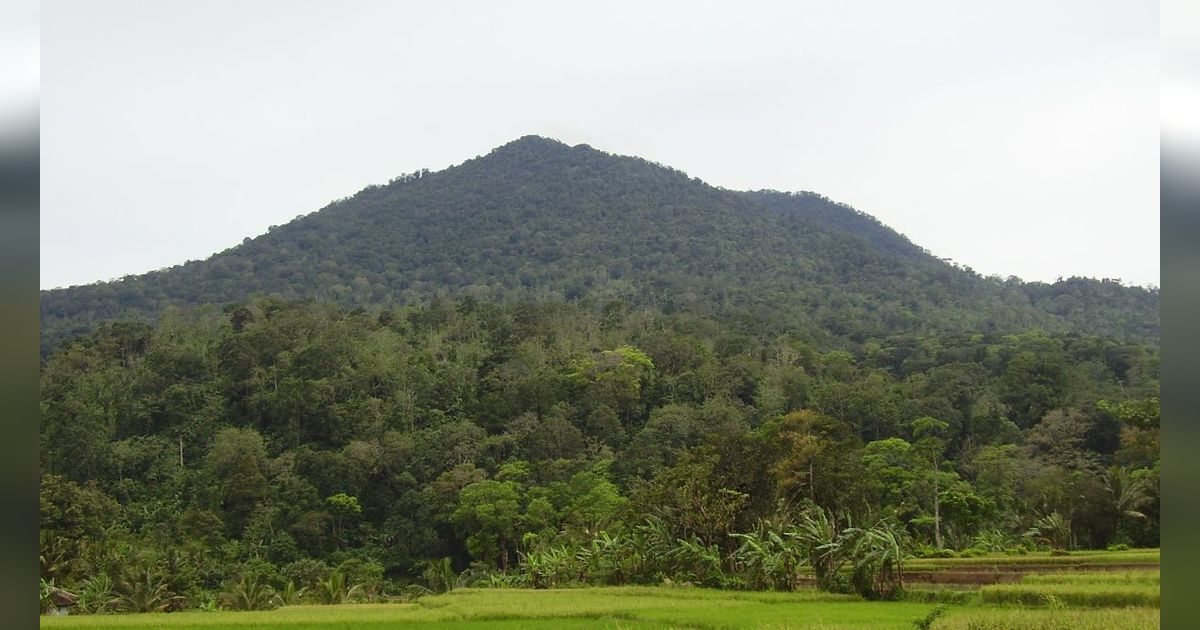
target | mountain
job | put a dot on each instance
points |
(591, 348)
(539, 219)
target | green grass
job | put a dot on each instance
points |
(623, 607)
(1026, 619)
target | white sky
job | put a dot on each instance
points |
(1015, 137)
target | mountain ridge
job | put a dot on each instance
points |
(538, 218)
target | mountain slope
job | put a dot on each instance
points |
(538, 218)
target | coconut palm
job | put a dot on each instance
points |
(1053, 530)
(440, 576)
(1128, 494)
(144, 590)
(290, 594)
(96, 594)
(335, 590)
(54, 555)
(250, 593)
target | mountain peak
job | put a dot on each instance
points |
(533, 145)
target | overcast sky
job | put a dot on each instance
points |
(1018, 138)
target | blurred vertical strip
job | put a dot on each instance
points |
(1180, 225)
(19, 360)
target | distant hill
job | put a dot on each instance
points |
(537, 218)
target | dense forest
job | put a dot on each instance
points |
(302, 444)
(537, 219)
(553, 365)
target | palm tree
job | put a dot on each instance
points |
(290, 594)
(1127, 493)
(143, 590)
(250, 593)
(1053, 530)
(96, 594)
(334, 590)
(440, 575)
(54, 554)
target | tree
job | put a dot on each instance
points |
(930, 435)
(810, 442)
(250, 593)
(692, 498)
(489, 512)
(345, 509)
(889, 473)
(1033, 384)
(237, 458)
(1129, 492)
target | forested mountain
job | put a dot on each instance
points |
(539, 219)
(553, 365)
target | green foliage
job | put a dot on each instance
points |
(336, 590)
(144, 589)
(440, 575)
(46, 590)
(649, 445)
(250, 593)
(96, 594)
(770, 558)
(1053, 530)
(537, 218)
(489, 511)
(878, 555)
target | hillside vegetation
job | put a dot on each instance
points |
(536, 219)
(551, 366)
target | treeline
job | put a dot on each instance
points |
(220, 454)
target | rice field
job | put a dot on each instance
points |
(611, 607)
(1079, 590)
(1047, 619)
(1084, 560)
(1076, 597)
